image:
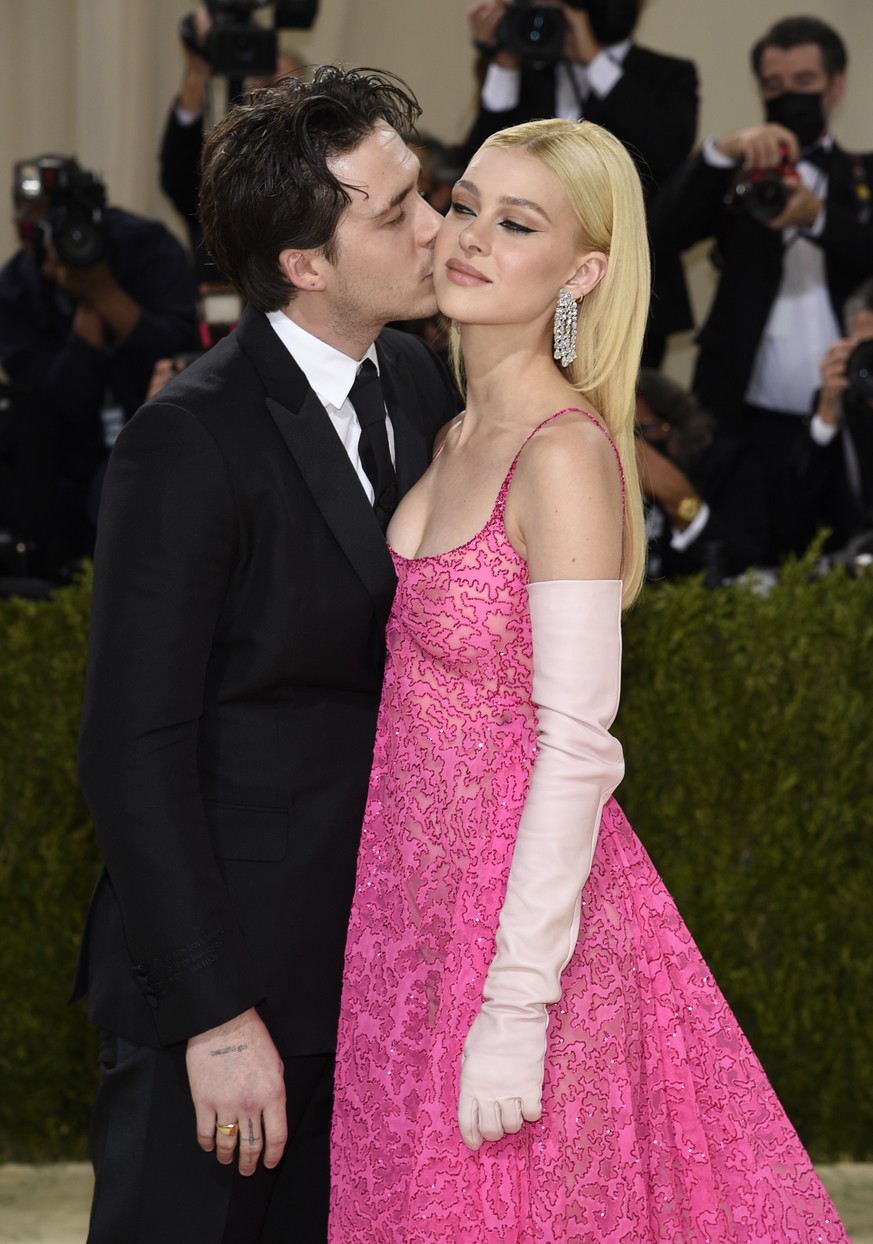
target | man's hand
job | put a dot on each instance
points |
(662, 480)
(87, 285)
(484, 18)
(801, 209)
(761, 146)
(236, 1076)
(102, 303)
(198, 71)
(833, 380)
(581, 43)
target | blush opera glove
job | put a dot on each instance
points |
(576, 633)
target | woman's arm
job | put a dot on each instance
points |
(572, 531)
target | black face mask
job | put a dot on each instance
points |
(612, 21)
(801, 112)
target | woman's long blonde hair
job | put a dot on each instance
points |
(603, 186)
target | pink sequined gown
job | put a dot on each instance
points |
(658, 1121)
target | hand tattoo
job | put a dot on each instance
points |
(229, 1049)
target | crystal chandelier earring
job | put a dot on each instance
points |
(566, 315)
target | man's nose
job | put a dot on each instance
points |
(430, 221)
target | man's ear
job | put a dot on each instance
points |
(836, 89)
(304, 269)
(589, 274)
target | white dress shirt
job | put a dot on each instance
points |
(501, 89)
(331, 375)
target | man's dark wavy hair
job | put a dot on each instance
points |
(266, 185)
(791, 32)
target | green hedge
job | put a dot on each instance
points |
(48, 864)
(746, 722)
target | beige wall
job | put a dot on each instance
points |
(96, 77)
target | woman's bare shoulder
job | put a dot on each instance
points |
(572, 447)
(445, 430)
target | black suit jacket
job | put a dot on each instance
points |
(728, 476)
(652, 109)
(818, 488)
(749, 255)
(242, 586)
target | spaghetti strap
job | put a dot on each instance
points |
(504, 490)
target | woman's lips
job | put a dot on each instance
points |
(465, 274)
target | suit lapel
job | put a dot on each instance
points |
(306, 429)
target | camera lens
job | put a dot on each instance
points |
(79, 243)
(539, 27)
(534, 33)
(761, 195)
(859, 369)
(768, 198)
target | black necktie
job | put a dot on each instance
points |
(366, 397)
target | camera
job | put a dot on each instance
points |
(237, 46)
(760, 192)
(74, 200)
(859, 369)
(534, 32)
(537, 32)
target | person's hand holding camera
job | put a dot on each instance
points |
(101, 302)
(761, 146)
(834, 381)
(484, 18)
(582, 46)
(773, 147)
(801, 208)
(195, 30)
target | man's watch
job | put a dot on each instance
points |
(688, 508)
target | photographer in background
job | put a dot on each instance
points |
(577, 58)
(705, 507)
(179, 158)
(830, 473)
(92, 299)
(790, 213)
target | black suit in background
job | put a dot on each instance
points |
(820, 488)
(242, 586)
(749, 257)
(652, 109)
(179, 164)
(728, 476)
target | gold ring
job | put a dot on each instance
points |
(227, 1129)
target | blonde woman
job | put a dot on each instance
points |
(522, 1059)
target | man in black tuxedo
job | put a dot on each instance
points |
(830, 471)
(646, 99)
(782, 280)
(242, 584)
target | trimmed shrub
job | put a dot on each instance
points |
(48, 865)
(745, 721)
